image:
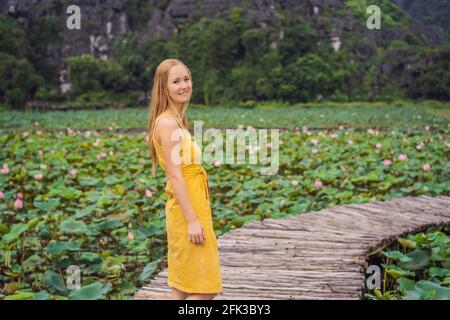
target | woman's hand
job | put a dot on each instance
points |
(196, 232)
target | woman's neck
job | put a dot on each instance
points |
(175, 110)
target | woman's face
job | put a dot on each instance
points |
(179, 85)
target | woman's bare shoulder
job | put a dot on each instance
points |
(167, 122)
(165, 126)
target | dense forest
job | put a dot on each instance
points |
(315, 51)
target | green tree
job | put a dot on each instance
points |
(306, 78)
(87, 73)
(431, 76)
(18, 80)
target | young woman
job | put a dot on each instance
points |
(193, 256)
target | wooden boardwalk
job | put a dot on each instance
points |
(315, 255)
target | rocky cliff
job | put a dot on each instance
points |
(102, 21)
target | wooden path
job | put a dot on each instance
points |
(315, 255)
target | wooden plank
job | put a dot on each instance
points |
(315, 255)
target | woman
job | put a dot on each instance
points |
(193, 257)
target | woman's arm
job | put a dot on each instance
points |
(170, 135)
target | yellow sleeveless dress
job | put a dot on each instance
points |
(192, 268)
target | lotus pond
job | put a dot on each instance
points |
(416, 267)
(87, 198)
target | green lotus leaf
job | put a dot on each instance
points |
(47, 206)
(149, 270)
(14, 233)
(64, 192)
(397, 255)
(56, 283)
(94, 291)
(420, 259)
(61, 247)
(72, 226)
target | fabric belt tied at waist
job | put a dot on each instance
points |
(192, 171)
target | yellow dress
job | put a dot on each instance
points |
(192, 268)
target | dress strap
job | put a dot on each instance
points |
(176, 119)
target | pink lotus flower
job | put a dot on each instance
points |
(18, 204)
(38, 176)
(370, 131)
(378, 145)
(341, 127)
(96, 143)
(402, 157)
(40, 153)
(19, 195)
(217, 163)
(2, 195)
(426, 167)
(314, 142)
(73, 172)
(314, 150)
(110, 128)
(387, 163)
(294, 183)
(98, 157)
(130, 235)
(148, 193)
(69, 131)
(103, 154)
(39, 132)
(5, 169)
(87, 134)
(318, 183)
(333, 135)
(350, 141)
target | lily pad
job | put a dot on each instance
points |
(72, 226)
(15, 232)
(420, 259)
(93, 291)
(60, 247)
(56, 283)
(149, 270)
(423, 288)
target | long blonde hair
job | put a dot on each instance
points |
(160, 103)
